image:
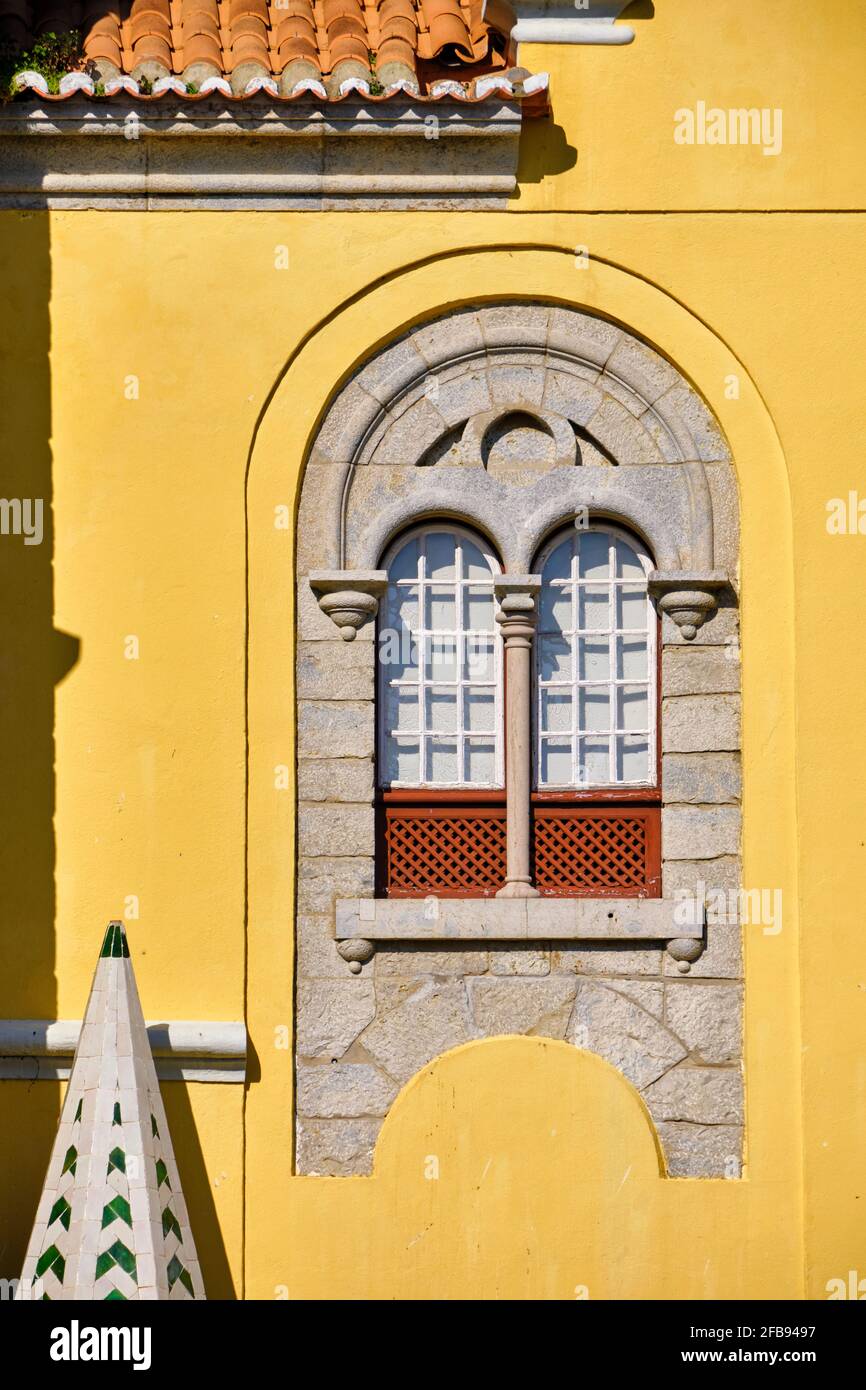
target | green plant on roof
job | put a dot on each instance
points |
(52, 55)
(376, 87)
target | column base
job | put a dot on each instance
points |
(518, 888)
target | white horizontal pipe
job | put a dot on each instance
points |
(558, 29)
(179, 1039)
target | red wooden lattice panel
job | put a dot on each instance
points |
(447, 852)
(579, 852)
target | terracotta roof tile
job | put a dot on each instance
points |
(283, 45)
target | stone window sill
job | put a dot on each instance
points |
(363, 922)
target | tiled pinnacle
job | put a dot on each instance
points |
(112, 1222)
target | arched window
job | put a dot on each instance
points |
(595, 706)
(440, 705)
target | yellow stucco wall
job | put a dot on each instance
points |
(154, 777)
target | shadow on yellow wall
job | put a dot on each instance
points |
(34, 657)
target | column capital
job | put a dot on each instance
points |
(349, 597)
(517, 614)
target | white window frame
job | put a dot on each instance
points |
(461, 533)
(613, 683)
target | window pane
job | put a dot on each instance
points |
(441, 663)
(556, 762)
(554, 658)
(479, 710)
(442, 711)
(441, 610)
(474, 564)
(403, 607)
(479, 758)
(478, 615)
(440, 550)
(628, 566)
(633, 707)
(594, 709)
(592, 555)
(631, 607)
(594, 607)
(442, 761)
(402, 760)
(405, 563)
(593, 761)
(555, 610)
(556, 711)
(594, 659)
(632, 659)
(403, 711)
(632, 758)
(479, 662)
(398, 654)
(558, 565)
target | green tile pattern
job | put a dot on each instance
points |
(51, 1259)
(60, 1212)
(117, 1207)
(177, 1272)
(116, 1254)
(117, 1161)
(115, 941)
(70, 1161)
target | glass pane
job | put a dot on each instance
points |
(442, 711)
(478, 660)
(398, 654)
(632, 659)
(441, 663)
(631, 607)
(593, 555)
(403, 607)
(628, 566)
(441, 610)
(440, 547)
(402, 761)
(442, 761)
(555, 762)
(593, 659)
(474, 564)
(556, 711)
(594, 607)
(402, 710)
(632, 759)
(633, 707)
(479, 761)
(594, 708)
(478, 612)
(480, 711)
(405, 562)
(554, 658)
(555, 609)
(593, 762)
(558, 564)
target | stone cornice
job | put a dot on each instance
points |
(351, 155)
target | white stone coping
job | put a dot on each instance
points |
(560, 21)
(40, 1049)
(517, 919)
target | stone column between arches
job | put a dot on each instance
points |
(526, 414)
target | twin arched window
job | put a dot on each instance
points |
(441, 703)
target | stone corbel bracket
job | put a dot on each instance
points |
(689, 598)
(350, 598)
(364, 922)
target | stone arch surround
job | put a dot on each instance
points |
(438, 388)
